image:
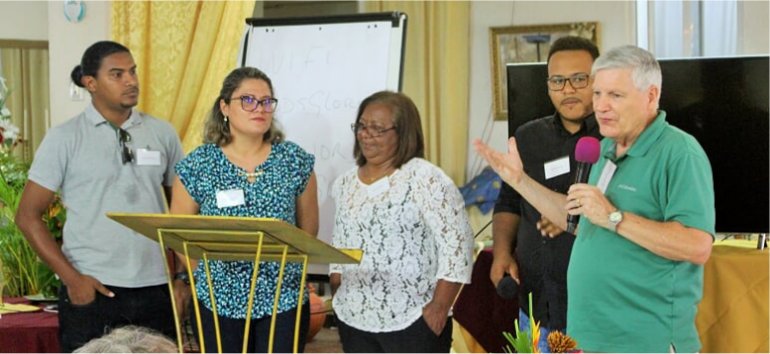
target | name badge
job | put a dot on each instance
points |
(230, 198)
(606, 176)
(556, 167)
(147, 157)
(378, 187)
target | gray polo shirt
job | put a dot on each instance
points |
(81, 159)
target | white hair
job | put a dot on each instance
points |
(130, 339)
(645, 70)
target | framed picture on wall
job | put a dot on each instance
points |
(527, 44)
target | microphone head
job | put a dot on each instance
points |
(507, 287)
(587, 150)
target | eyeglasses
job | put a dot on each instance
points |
(250, 103)
(123, 138)
(577, 81)
(373, 130)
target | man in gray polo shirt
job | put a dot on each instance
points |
(108, 158)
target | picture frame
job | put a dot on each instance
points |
(525, 44)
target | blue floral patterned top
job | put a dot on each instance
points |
(273, 194)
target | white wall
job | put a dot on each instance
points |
(66, 43)
(755, 33)
(26, 20)
(617, 26)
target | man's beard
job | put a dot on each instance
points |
(128, 105)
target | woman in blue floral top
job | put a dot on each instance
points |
(245, 168)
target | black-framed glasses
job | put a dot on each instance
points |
(124, 138)
(373, 130)
(577, 81)
(250, 103)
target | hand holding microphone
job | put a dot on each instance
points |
(507, 288)
(502, 267)
(586, 154)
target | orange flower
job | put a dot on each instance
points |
(535, 326)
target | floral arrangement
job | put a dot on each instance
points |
(523, 342)
(9, 133)
(12, 169)
(21, 270)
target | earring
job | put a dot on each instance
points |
(225, 119)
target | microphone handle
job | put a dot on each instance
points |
(581, 176)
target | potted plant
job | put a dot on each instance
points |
(23, 272)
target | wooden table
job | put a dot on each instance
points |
(733, 315)
(29, 332)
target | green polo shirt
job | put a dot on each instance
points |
(622, 297)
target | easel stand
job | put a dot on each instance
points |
(205, 238)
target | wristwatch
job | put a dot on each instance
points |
(615, 218)
(183, 277)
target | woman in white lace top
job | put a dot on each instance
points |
(410, 221)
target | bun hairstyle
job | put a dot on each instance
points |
(92, 59)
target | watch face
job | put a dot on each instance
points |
(616, 217)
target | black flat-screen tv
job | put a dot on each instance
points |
(722, 102)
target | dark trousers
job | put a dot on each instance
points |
(231, 332)
(146, 307)
(417, 338)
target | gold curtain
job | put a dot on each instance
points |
(183, 51)
(25, 68)
(436, 75)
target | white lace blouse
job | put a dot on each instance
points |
(413, 229)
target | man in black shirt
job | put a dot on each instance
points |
(547, 148)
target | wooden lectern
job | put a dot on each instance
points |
(230, 239)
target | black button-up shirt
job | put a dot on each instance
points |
(543, 261)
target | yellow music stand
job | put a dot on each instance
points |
(234, 238)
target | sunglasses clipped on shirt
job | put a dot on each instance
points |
(124, 138)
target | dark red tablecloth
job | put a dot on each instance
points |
(29, 332)
(483, 313)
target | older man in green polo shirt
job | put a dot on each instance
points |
(647, 226)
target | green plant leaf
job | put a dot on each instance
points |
(521, 343)
(23, 271)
